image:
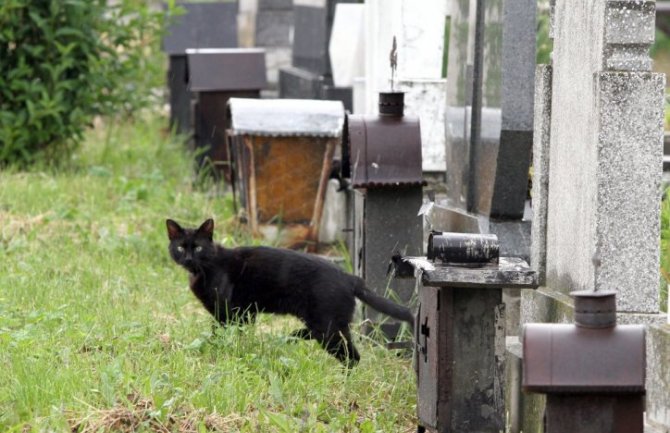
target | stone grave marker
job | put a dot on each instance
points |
(203, 25)
(310, 75)
(215, 76)
(274, 32)
(598, 153)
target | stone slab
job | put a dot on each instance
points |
(426, 99)
(274, 28)
(297, 83)
(391, 226)
(333, 93)
(275, 4)
(333, 219)
(510, 185)
(658, 377)
(514, 237)
(180, 96)
(518, 64)
(540, 190)
(421, 39)
(276, 58)
(605, 164)
(313, 27)
(630, 153)
(203, 25)
(524, 410)
(347, 44)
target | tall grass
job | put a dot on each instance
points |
(99, 332)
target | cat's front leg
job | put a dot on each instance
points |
(223, 293)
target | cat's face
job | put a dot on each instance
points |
(191, 248)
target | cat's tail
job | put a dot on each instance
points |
(382, 304)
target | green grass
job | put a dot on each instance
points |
(665, 251)
(99, 332)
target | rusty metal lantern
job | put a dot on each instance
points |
(381, 155)
(593, 372)
(283, 151)
(215, 76)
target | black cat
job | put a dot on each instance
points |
(237, 283)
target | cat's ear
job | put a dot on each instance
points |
(174, 230)
(207, 229)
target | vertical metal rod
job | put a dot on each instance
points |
(475, 125)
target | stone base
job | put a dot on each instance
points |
(524, 410)
(427, 99)
(297, 83)
(514, 237)
(276, 58)
(658, 378)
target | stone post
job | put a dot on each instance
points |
(598, 162)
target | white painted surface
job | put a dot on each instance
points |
(419, 33)
(427, 99)
(422, 39)
(333, 219)
(347, 44)
(312, 3)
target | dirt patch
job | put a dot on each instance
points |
(140, 413)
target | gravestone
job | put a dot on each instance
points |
(489, 125)
(490, 106)
(274, 29)
(310, 75)
(215, 76)
(599, 163)
(346, 44)
(203, 25)
(426, 98)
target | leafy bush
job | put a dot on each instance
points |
(62, 62)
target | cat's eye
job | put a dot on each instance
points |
(180, 249)
(197, 249)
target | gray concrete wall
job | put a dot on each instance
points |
(600, 178)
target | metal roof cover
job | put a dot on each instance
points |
(203, 25)
(385, 151)
(221, 69)
(286, 117)
(561, 358)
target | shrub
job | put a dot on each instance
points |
(62, 62)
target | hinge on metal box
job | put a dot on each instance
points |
(425, 331)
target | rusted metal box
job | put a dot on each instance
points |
(593, 372)
(382, 158)
(215, 76)
(202, 25)
(460, 333)
(283, 151)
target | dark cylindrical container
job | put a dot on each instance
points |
(464, 249)
(391, 104)
(595, 309)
